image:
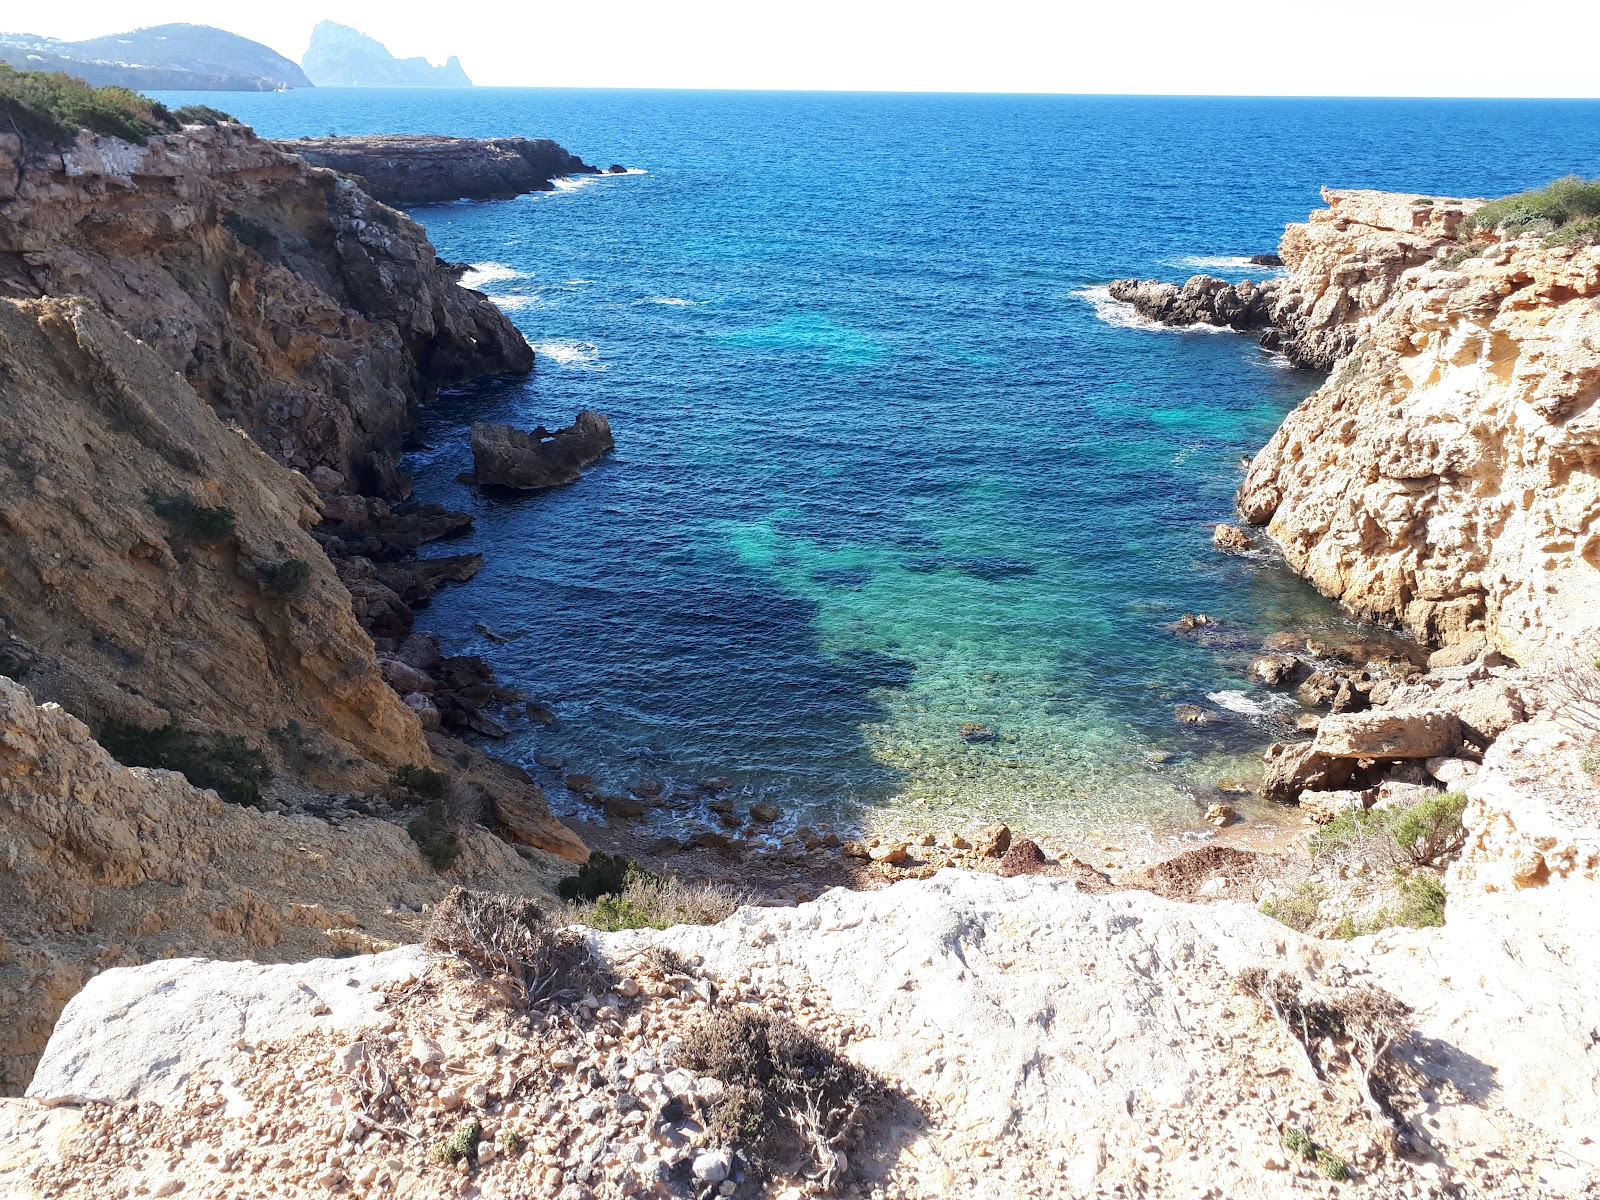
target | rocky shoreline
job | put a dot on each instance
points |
(208, 543)
(408, 169)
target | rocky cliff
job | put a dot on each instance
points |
(293, 302)
(155, 565)
(427, 169)
(1447, 476)
(109, 866)
(1030, 1039)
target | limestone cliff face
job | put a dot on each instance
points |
(1447, 477)
(290, 299)
(109, 866)
(125, 613)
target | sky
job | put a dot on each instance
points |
(1228, 47)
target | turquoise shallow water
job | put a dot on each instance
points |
(884, 467)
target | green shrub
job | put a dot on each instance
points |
(1540, 210)
(51, 107)
(1298, 1142)
(202, 114)
(603, 875)
(1298, 910)
(463, 1143)
(1585, 232)
(419, 783)
(229, 765)
(435, 836)
(1422, 900)
(1452, 260)
(1430, 831)
(189, 519)
(280, 580)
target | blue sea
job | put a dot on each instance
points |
(888, 462)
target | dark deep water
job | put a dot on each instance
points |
(887, 462)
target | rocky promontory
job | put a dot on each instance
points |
(506, 457)
(407, 169)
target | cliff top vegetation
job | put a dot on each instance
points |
(1566, 211)
(52, 106)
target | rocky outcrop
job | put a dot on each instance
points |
(176, 57)
(406, 169)
(297, 305)
(155, 565)
(1446, 479)
(1041, 1040)
(1203, 300)
(108, 866)
(503, 456)
(340, 56)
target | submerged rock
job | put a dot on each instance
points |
(504, 456)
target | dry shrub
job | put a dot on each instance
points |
(1367, 1019)
(792, 1102)
(512, 938)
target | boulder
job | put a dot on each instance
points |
(993, 841)
(1295, 767)
(144, 1032)
(1277, 670)
(1380, 735)
(1023, 857)
(504, 456)
(1232, 539)
(1318, 808)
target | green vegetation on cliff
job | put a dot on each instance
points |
(1566, 211)
(52, 106)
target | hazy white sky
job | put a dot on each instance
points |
(1230, 47)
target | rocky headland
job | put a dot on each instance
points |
(407, 169)
(174, 57)
(340, 56)
(312, 946)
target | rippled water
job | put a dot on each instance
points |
(888, 463)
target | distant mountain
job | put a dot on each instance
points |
(343, 57)
(173, 57)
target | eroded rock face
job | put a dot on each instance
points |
(1203, 300)
(137, 616)
(290, 299)
(503, 456)
(406, 169)
(1446, 479)
(110, 866)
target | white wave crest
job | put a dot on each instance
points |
(1239, 702)
(1235, 264)
(479, 274)
(571, 183)
(581, 355)
(1124, 315)
(665, 300)
(515, 302)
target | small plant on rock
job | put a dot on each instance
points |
(191, 520)
(435, 836)
(790, 1101)
(1298, 1142)
(418, 783)
(228, 765)
(512, 938)
(463, 1143)
(510, 1141)
(1298, 910)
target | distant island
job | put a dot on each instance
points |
(175, 57)
(343, 57)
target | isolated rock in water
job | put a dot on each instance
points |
(1265, 260)
(340, 56)
(1232, 539)
(504, 456)
(1203, 300)
(1277, 670)
(1387, 735)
